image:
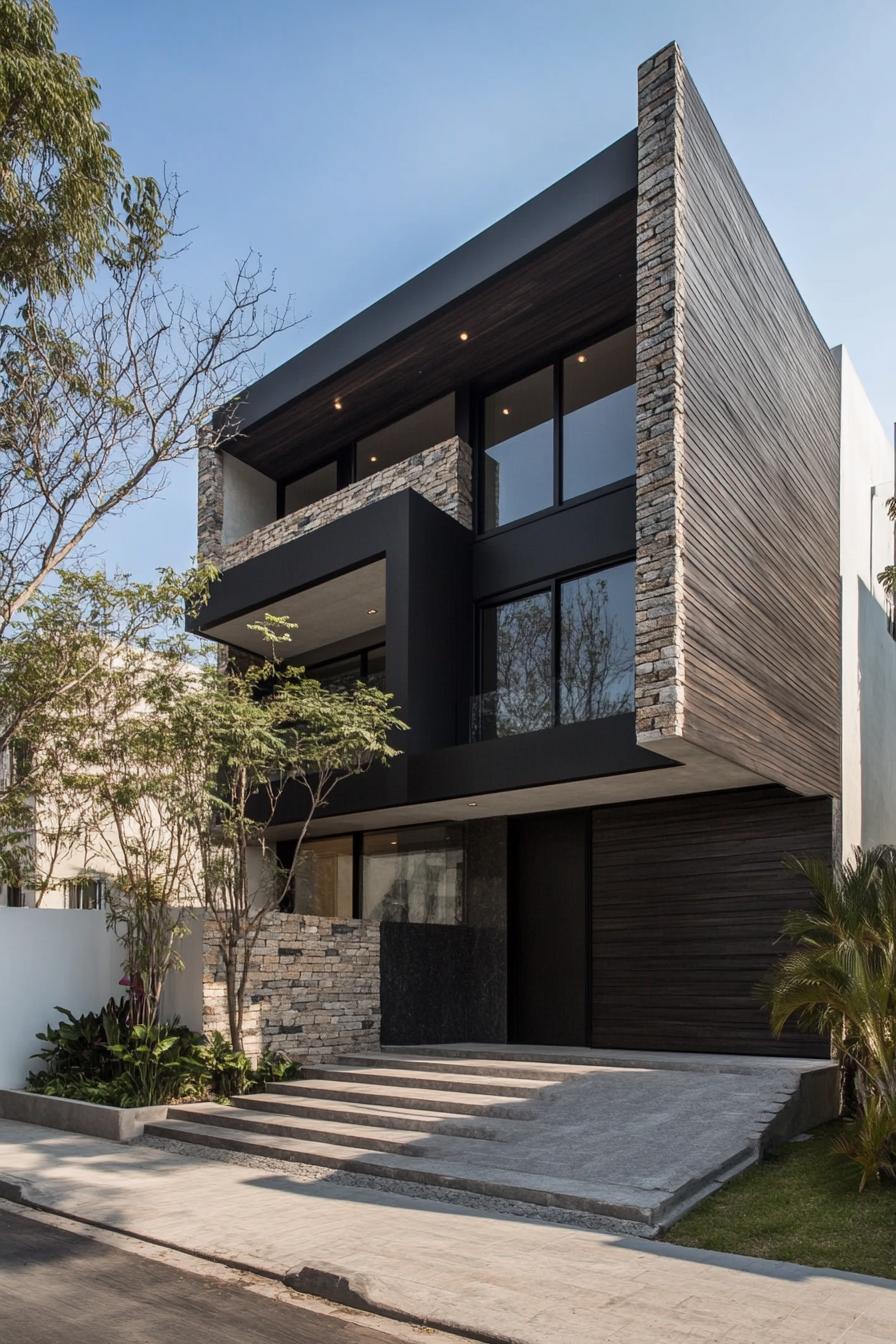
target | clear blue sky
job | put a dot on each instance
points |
(353, 142)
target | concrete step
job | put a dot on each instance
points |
(545, 1191)
(471, 1067)
(420, 1098)
(386, 1117)
(425, 1078)
(371, 1138)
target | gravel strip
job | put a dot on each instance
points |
(304, 1174)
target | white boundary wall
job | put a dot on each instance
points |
(68, 957)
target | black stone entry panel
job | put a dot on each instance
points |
(441, 983)
(688, 898)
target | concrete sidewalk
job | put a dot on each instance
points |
(478, 1274)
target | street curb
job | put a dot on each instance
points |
(325, 1282)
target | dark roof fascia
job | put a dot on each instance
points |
(553, 212)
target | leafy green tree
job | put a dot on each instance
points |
(111, 783)
(59, 175)
(109, 371)
(167, 771)
(56, 661)
(840, 979)
(248, 735)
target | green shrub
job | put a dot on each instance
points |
(79, 1046)
(274, 1067)
(98, 1057)
(229, 1071)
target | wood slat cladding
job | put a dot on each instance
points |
(559, 296)
(688, 898)
(748, 650)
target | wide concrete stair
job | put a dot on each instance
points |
(463, 1119)
(401, 1117)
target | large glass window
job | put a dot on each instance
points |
(310, 488)
(518, 449)
(414, 875)
(598, 435)
(531, 459)
(516, 660)
(341, 674)
(423, 429)
(597, 645)
(561, 655)
(322, 882)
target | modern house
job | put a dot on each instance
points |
(594, 499)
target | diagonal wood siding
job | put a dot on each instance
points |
(688, 899)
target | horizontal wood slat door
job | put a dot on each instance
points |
(689, 896)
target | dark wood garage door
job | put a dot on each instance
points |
(689, 894)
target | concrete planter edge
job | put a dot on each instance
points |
(120, 1124)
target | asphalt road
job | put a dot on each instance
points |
(57, 1287)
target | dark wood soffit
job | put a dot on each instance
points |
(565, 293)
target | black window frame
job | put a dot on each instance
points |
(346, 457)
(552, 585)
(312, 668)
(553, 360)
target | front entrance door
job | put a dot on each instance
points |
(549, 928)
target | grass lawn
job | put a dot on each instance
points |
(802, 1204)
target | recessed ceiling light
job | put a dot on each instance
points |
(472, 804)
(371, 611)
(373, 457)
(505, 410)
(464, 335)
(337, 405)
(393, 842)
(582, 359)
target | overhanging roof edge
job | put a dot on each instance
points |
(595, 184)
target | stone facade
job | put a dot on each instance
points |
(210, 504)
(659, 659)
(313, 991)
(442, 474)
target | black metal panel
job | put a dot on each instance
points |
(570, 751)
(441, 982)
(598, 529)
(549, 912)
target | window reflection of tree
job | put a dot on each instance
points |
(596, 651)
(522, 698)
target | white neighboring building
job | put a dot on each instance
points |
(868, 636)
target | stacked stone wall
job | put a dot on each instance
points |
(313, 991)
(442, 474)
(659, 669)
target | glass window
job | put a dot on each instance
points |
(414, 875)
(599, 414)
(516, 668)
(340, 674)
(518, 442)
(376, 667)
(88, 894)
(423, 429)
(313, 486)
(322, 884)
(597, 644)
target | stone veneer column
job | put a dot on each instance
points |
(659, 670)
(210, 508)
